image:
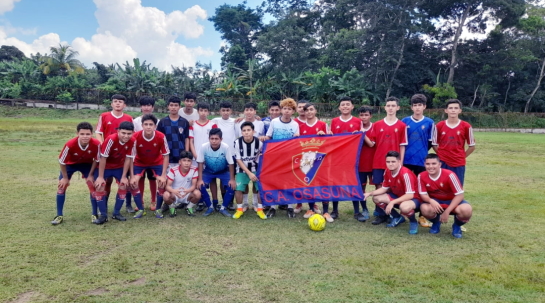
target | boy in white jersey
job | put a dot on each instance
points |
(182, 185)
(188, 112)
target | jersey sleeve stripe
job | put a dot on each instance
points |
(63, 155)
(456, 184)
(167, 151)
(420, 190)
(471, 137)
(408, 186)
(434, 135)
(106, 152)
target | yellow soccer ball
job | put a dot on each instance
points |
(316, 222)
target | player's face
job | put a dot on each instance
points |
(274, 112)
(173, 108)
(118, 105)
(301, 109)
(391, 107)
(287, 111)
(189, 103)
(392, 163)
(146, 109)
(310, 112)
(432, 166)
(247, 132)
(148, 126)
(418, 108)
(365, 117)
(185, 163)
(84, 136)
(346, 107)
(124, 135)
(215, 141)
(203, 113)
(225, 113)
(249, 113)
(453, 110)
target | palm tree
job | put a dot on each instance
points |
(61, 61)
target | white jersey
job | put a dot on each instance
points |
(194, 116)
(137, 124)
(248, 153)
(228, 130)
(199, 133)
(181, 181)
(259, 128)
(282, 130)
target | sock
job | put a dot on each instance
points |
(239, 206)
(356, 205)
(379, 211)
(363, 206)
(254, 199)
(118, 203)
(190, 205)
(458, 221)
(60, 201)
(128, 198)
(94, 207)
(274, 206)
(412, 218)
(325, 205)
(159, 198)
(229, 195)
(137, 196)
(215, 203)
(336, 207)
(152, 189)
(259, 207)
(311, 206)
(394, 214)
(245, 199)
(435, 220)
(100, 196)
(206, 197)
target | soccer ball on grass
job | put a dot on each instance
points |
(316, 222)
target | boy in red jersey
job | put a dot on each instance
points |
(365, 167)
(150, 151)
(78, 154)
(346, 123)
(301, 114)
(449, 138)
(442, 195)
(398, 191)
(115, 163)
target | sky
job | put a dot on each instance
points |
(165, 33)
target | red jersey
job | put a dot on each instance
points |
(72, 152)
(367, 155)
(150, 152)
(451, 140)
(108, 123)
(445, 187)
(339, 126)
(299, 122)
(404, 182)
(387, 137)
(115, 151)
(306, 129)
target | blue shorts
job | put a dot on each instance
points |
(72, 168)
(460, 171)
(445, 203)
(416, 201)
(364, 176)
(224, 178)
(378, 176)
(116, 173)
(157, 170)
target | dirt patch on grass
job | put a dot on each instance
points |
(138, 282)
(25, 297)
(97, 292)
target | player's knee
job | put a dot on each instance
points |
(464, 211)
(122, 193)
(160, 190)
(406, 208)
(196, 195)
(166, 195)
(61, 191)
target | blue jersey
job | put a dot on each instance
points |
(266, 123)
(419, 135)
(279, 129)
(215, 161)
(176, 132)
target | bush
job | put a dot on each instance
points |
(64, 97)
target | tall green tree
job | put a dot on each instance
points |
(61, 61)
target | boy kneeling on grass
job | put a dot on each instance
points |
(182, 185)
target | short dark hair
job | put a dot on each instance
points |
(274, 103)
(393, 153)
(346, 98)
(126, 125)
(174, 99)
(215, 131)
(366, 109)
(185, 154)
(302, 101)
(190, 96)
(84, 125)
(308, 105)
(433, 156)
(226, 104)
(419, 99)
(453, 101)
(203, 106)
(119, 97)
(247, 123)
(146, 100)
(250, 105)
(393, 99)
(149, 117)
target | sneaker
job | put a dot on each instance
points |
(208, 212)
(164, 208)
(190, 212)
(396, 221)
(138, 214)
(413, 228)
(200, 207)
(317, 209)
(334, 215)
(435, 228)
(244, 207)
(57, 220)
(238, 214)
(100, 220)
(130, 209)
(308, 214)
(360, 217)
(153, 206)
(365, 215)
(225, 212)
(328, 218)
(424, 222)
(271, 213)
(119, 217)
(291, 213)
(298, 208)
(266, 208)
(159, 214)
(456, 231)
(261, 215)
(181, 206)
(93, 218)
(379, 220)
(463, 228)
(172, 212)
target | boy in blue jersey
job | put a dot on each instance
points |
(274, 112)
(419, 130)
(176, 130)
(216, 161)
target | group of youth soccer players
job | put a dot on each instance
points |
(184, 155)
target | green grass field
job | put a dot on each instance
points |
(500, 259)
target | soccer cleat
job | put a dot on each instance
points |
(291, 213)
(424, 222)
(200, 207)
(413, 228)
(172, 212)
(164, 208)
(360, 217)
(238, 214)
(308, 214)
(379, 220)
(208, 212)
(435, 228)
(101, 220)
(130, 209)
(298, 208)
(139, 214)
(396, 221)
(271, 213)
(57, 220)
(119, 217)
(225, 212)
(328, 218)
(261, 215)
(463, 228)
(190, 212)
(365, 215)
(159, 214)
(153, 206)
(334, 215)
(317, 209)
(181, 206)
(93, 218)
(244, 207)
(456, 231)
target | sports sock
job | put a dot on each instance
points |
(100, 196)
(336, 207)
(356, 205)
(259, 206)
(128, 198)
(190, 205)
(458, 221)
(379, 211)
(159, 198)
(60, 202)
(137, 196)
(215, 203)
(152, 188)
(394, 214)
(254, 199)
(94, 207)
(239, 206)
(363, 206)
(435, 220)
(245, 199)
(118, 203)
(412, 218)
(325, 205)
(311, 206)
(205, 197)
(229, 195)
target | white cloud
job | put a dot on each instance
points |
(103, 48)
(41, 45)
(7, 5)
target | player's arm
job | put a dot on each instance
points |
(100, 137)
(126, 170)
(470, 150)
(368, 141)
(470, 142)
(193, 186)
(64, 182)
(192, 147)
(251, 175)
(232, 182)
(200, 182)
(162, 178)
(101, 166)
(402, 153)
(375, 192)
(453, 204)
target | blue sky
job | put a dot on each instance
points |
(163, 32)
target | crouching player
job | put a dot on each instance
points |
(247, 149)
(215, 161)
(182, 185)
(398, 191)
(442, 195)
(78, 154)
(115, 163)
